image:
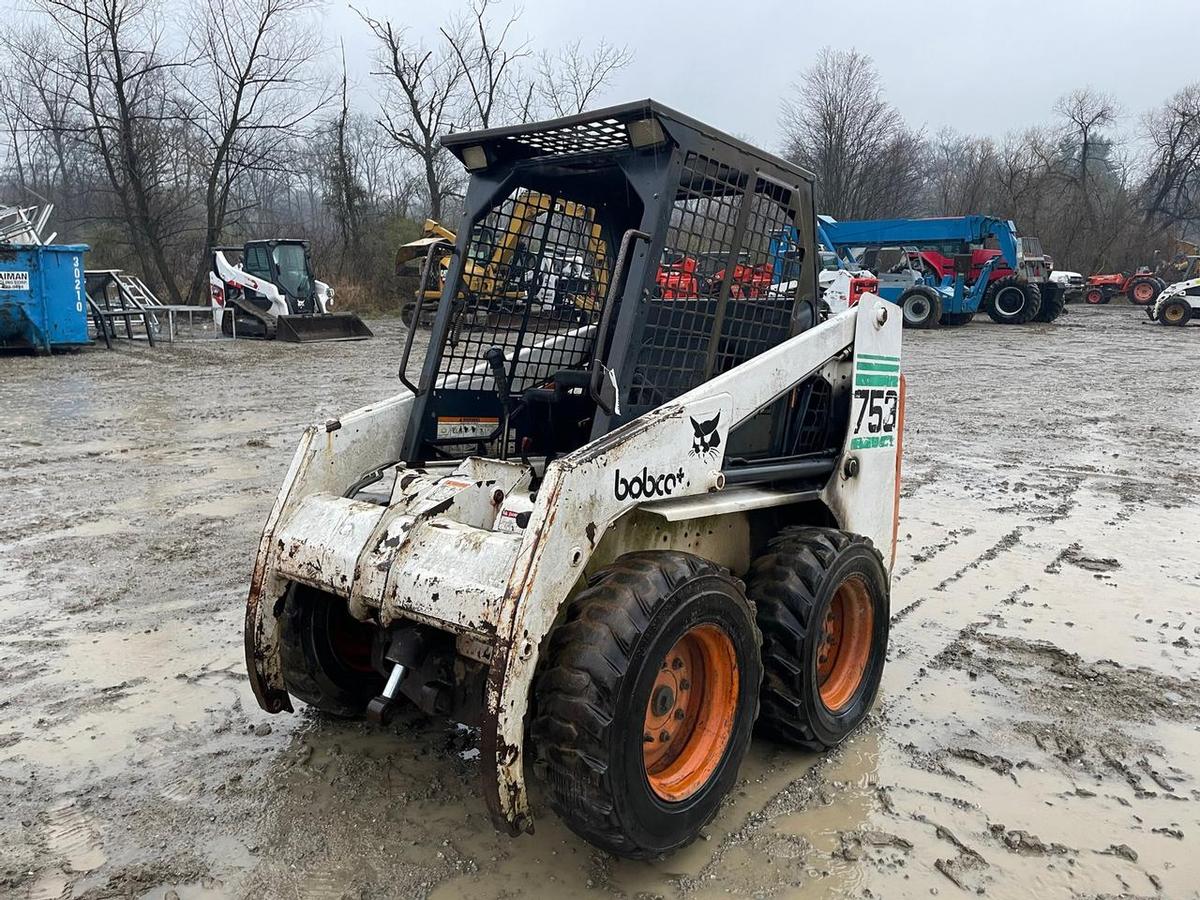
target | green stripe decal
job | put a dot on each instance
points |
(865, 379)
(872, 442)
(878, 367)
(894, 359)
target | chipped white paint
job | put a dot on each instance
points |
(447, 550)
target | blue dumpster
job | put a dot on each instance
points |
(43, 304)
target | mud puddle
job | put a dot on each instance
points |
(1036, 733)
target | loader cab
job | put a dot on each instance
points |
(287, 264)
(573, 333)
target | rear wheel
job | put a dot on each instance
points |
(1175, 312)
(1054, 299)
(921, 307)
(647, 702)
(326, 653)
(822, 601)
(1013, 302)
(1142, 291)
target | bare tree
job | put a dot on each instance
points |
(837, 123)
(1087, 112)
(569, 79)
(425, 85)
(117, 59)
(249, 85)
(489, 61)
(1171, 190)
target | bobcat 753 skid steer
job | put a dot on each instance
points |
(614, 545)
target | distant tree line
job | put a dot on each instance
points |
(1099, 199)
(158, 137)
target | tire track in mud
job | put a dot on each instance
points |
(1006, 543)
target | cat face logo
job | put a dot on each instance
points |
(706, 439)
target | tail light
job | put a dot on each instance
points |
(860, 286)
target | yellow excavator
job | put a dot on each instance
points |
(532, 254)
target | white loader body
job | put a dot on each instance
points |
(229, 277)
(1186, 291)
(468, 548)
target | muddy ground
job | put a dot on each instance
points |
(1036, 733)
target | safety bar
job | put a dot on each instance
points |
(416, 316)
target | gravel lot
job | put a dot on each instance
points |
(1036, 734)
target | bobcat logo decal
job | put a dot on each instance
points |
(706, 439)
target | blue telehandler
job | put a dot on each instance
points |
(1015, 288)
(892, 250)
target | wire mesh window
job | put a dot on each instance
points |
(759, 312)
(718, 295)
(536, 273)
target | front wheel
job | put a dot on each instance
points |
(1175, 312)
(1093, 297)
(326, 653)
(823, 607)
(921, 307)
(647, 702)
(1013, 302)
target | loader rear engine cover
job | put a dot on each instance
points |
(620, 516)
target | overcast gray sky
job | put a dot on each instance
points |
(980, 67)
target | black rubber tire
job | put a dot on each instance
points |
(1094, 297)
(953, 320)
(1001, 289)
(1131, 289)
(591, 698)
(1054, 299)
(1177, 303)
(792, 586)
(407, 311)
(313, 671)
(921, 307)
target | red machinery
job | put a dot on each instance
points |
(683, 277)
(1141, 288)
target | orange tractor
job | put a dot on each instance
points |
(1141, 289)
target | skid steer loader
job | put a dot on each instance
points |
(272, 294)
(611, 546)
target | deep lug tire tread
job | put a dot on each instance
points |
(1053, 304)
(785, 584)
(588, 658)
(1029, 312)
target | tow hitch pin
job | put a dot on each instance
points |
(381, 708)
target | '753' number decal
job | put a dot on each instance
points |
(875, 416)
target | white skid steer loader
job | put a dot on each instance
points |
(1178, 304)
(614, 545)
(272, 294)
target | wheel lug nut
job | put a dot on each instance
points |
(677, 663)
(684, 684)
(664, 737)
(647, 738)
(679, 714)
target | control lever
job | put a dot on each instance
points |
(495, 359)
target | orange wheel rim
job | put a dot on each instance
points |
(690, 713)
(845, 644)
(1143, 291)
